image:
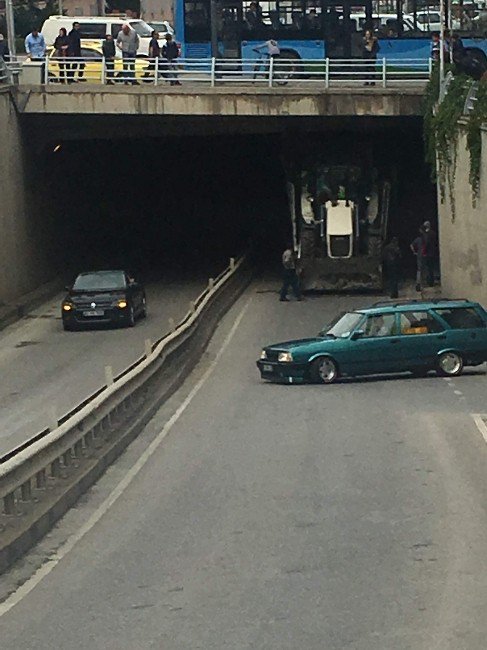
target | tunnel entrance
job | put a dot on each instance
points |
(173, 204)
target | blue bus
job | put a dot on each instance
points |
(316, 29)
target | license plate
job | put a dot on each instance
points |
(267, 368)
(94, 312)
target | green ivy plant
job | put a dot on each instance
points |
(441, 127)
(477, 117)
(441, 131)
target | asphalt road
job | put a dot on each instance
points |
(274, 517)
(45, 370)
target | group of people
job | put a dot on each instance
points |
(423, 247)
(67, 52)
(465, 60)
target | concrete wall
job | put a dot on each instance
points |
(23, 234)
(463, 232)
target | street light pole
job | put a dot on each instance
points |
(9, 15)
(442, 44)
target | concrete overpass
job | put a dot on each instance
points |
(228, 101)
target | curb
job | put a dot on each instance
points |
(13, 311)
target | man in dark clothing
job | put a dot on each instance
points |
(74, 51)
(154, 53)
(108, 48)
(4, 51)
(290, 277)
(391, 259)
(418, 249)
(170, 52)
(429, 252)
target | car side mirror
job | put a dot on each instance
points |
(358, 334)
(68, 287)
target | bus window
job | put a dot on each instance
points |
(197, 21)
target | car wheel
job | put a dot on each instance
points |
(324, 370)
(131, 317)
(450, 364)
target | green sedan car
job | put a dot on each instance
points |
(388, 337)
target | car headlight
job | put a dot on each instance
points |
(121, 303)
(67, 306)
(285, 357)
(263, 354)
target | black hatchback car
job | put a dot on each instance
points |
(103, 297)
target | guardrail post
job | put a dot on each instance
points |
(271, 70)
(430, 66)
(108, 375)
(211, 283)
(26, 491)
(384, 73)
(192, 306)
(147, 347)
(232, 263)
(56, 468)
(327, 72)
(213, 67)
(156, 71)
(53, 421)
(67, 458)
(78, 449)
(9, 504)
(103, 71)
(41, 479)
(172, 324)
(46, 70)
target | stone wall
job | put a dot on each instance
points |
(463, 232)
(24, 230)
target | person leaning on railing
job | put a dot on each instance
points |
(35, 46)
(108, 49)
(128, 42)
(369, 53)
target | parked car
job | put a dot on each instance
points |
(390, 337)
(162, 27)
(103, 297)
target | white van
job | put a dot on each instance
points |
(97, 27)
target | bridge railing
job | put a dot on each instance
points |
(263, 72)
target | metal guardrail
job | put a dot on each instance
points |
(45, 456)
(270, 72)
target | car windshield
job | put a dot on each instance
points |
(104, 281)
(142, 28)
(343, 325)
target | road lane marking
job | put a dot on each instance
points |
(117, 492)
(481, 424)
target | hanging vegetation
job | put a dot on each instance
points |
(477, 117)
(441, 131)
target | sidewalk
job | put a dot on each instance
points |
(18, 308)
(407, 291)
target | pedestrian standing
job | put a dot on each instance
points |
(369, 53)
(61, 45)
(391, 261)
(154, 53)
(74, 52)
(418, 249)
(4, 51)
(108, 49)
(35, 46)
(170, 52)
(289, 275)
(128, 42)
(429, 247)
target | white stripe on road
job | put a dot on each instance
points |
(71, 542)
(480, 421)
